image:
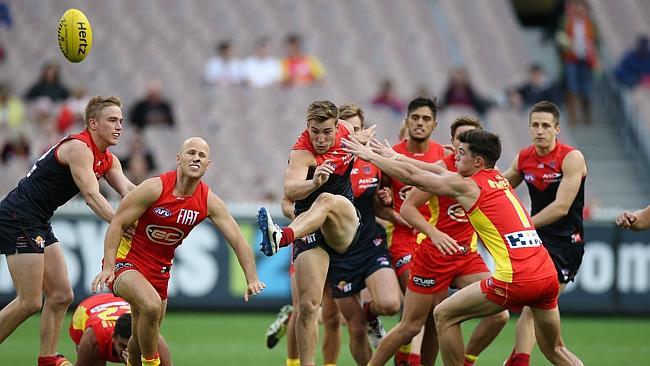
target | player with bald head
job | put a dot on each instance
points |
(164, 209)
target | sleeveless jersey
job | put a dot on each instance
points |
(365, 178)
(506, 230)
(338, 182)
(448, 216)
(434, 153)
(543, 175)
(163, 226)
(99, 312)
(49, 183)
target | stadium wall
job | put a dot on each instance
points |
(614, 277)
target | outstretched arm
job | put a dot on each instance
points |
(513, 175)
(573, 169)
(78, 156)
(116, 179)
(218, 213)
(131, 208)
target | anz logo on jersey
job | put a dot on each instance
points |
(523, 239)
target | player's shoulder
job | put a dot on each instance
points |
(301, 156)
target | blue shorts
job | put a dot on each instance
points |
(19, 234)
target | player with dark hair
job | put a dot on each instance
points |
(166, 208)
(101, 328)
(555, 174)
(525, 274)
(34, 255)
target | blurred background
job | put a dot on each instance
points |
(241, 73)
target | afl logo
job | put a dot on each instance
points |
(404, 192)
(456, 213)
(165, 235)
(162, 212)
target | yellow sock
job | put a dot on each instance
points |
(293, 362)
(471, 358)
(155, 361)
(406, 348)
(330, 364)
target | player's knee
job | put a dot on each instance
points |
(441, 315)
(150, 308)
(411, 329)
(331, 321)
(308, 307)
(357, 329)
(326, 199)
(499, 319)
(30, 306)
(61, 298)
(387, 306)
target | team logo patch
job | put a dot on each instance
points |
(121, 265)
(528, 177)
(366, 169)
(378, 241)
(402, 261)
(383, 261)
(40, 241)
(424, 282)
(165, 235)
(344, 286)
(456, 213)
(404, 192)
(162, 212)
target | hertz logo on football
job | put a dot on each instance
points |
(75, 35)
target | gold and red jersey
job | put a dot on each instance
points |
(505, 228)
(99, 313)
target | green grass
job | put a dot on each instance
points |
(239, 339)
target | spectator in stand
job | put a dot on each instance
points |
(634, 68)
(459, 92)
(386, 97)
(139, 164)
(16, 146)
(71, 115)
(12, 111)
(153, 110)
(538, 87)
(48, 85)
(6, 19)
(223, 68)
(299, 68)
(261, 69)
(578, 40)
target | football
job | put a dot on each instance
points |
(75, 35)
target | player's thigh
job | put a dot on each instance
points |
(464, 281)
(56, 279)
(163, 311)
(547, 327)
(340, 227)
(467, 303)
(351, 309)
(27, 270)
(311, 271)
(383, 286)
(133, 287)
(417, 307)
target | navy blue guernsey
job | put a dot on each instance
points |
(49, 183)
(543, 175)
(339, 181)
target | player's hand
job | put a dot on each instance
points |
(449, 147)
(385, 196)
(365, 135)
(353, 146)
(383, 149)
(445, 243)
(125, 355)
(104, 278)
(626, 220)
(322, 172)
(254, 288)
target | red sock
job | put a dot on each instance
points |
(287, 236)
(520, 359)
(414, 360)
(401, 358)
(47, 360)
(369, 314)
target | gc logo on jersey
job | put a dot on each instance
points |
(456, 213)
(165, 235)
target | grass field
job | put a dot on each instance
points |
(238, 339)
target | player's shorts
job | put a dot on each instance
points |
(402, 247)
(566, 254)
(432, 272)
(540, 294)
(317, 239)
(159, 281)
(19, 234)
(347, 273)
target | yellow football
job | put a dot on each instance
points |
(75, 35)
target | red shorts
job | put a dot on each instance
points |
(159, 281)
(402, 246)
(541, 294)
(432, 272)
